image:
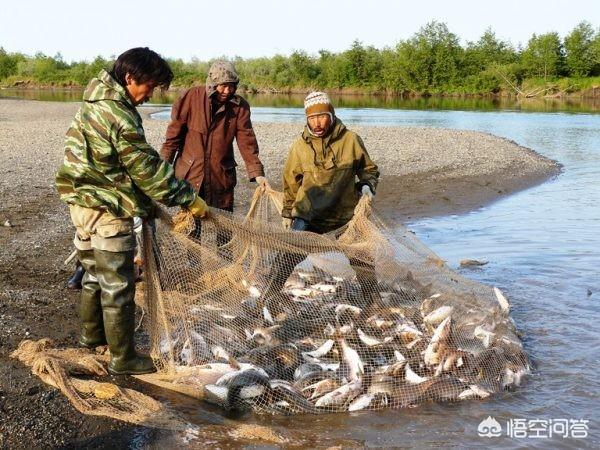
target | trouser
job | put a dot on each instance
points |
(285, 262)
(105, 246)
(223, 237)
(139, 257)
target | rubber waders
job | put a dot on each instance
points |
(90, 308)
(115, 273)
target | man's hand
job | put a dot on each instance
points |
(262, 182)
(198, 207)
(366, 190)
(287, 223)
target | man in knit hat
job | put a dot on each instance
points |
(326, 171)
(199, 139)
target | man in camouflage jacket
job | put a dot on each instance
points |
(111, 174)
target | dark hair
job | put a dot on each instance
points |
(144, 65)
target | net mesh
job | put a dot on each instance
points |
(69, 370)
(247, 315)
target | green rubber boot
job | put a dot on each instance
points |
(115, 274)
(90, 308)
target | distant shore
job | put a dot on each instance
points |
(554, 91)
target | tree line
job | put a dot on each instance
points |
(432, 61)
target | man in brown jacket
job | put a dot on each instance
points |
(199, 140)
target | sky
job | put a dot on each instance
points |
(81, 30)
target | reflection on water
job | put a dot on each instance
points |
(353, 101)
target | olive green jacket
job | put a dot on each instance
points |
(108, 164)
(322, 177)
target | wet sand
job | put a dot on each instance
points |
(425, 172)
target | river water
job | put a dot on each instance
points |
(543, 248)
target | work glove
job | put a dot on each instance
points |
(262, 182)
(198, 207)
(366, 190)
(287, 223)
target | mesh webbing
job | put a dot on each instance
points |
(248, 315)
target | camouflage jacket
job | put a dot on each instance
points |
(320, 177)
(108, 164)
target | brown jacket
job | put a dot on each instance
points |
(202, 147)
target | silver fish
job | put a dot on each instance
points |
(341, 395)
(502, 301)
(436, 345)
(474, 391)
(234, 390)
(484, 335)
(325, 288)
(321, 351)
(220, 353)
(206, 374)
(376, 400)
(186, 355)
(252, 290)
(434, 318)
(321, 387)
(370, 341)
(412, 377)
(380, 323)
(353, 362)
(342, 308)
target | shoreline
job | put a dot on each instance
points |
(425, 172)
(588, 93)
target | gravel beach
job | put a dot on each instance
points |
(424, 172)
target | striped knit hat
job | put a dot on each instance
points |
(318, 103)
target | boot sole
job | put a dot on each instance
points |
(92, 346)
(129, 372)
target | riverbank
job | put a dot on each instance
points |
(425, 172)
(587, 88)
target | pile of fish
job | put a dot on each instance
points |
(322, 348)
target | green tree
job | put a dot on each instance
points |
(544, 56)
(9, 63)
(486, 51)
(430, 60)
(303, 67)
(282, 75)
(595, 51)
(579, 50)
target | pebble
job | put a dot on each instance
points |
(32, 390)
(7, 223)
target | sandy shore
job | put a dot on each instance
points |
(424, 171)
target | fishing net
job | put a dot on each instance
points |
(247, 315)
(70, 369)
(250, 316)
